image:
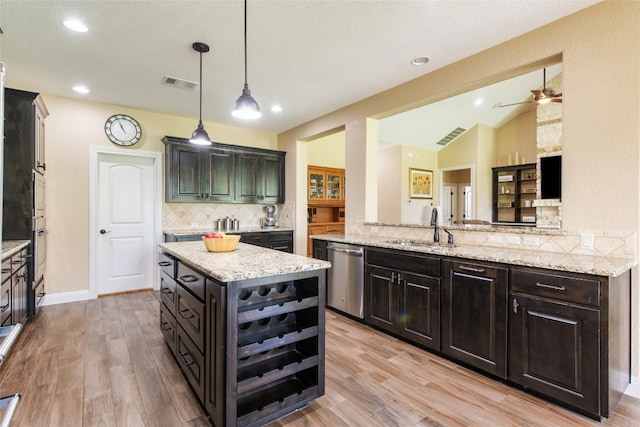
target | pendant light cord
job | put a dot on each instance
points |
(200, 118)
(245, 43)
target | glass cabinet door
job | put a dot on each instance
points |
(316, 185)
(334, 186)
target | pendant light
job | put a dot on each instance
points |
(246, 107)
(200, 136)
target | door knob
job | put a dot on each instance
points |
(103, 231)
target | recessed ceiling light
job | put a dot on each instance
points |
(276, 108)
(478, 102)
(81, 89)
(420, 60)
(75, 25)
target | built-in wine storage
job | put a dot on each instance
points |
(279, 352)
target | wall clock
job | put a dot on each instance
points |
(122, 129)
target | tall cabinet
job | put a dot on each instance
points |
(325, 202)
(23, 180)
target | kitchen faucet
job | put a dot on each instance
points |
(434, 223)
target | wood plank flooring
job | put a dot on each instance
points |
(104, 363)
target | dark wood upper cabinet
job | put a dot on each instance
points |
(223, 173)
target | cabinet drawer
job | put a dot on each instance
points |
(6, 268)
(191, 280)
(191, 361)
(190, 315)
(167, 264)
(168, 327)
(259, 239)
(168, 292)
(557, 286)
(402, 260)
(335, 229)
(5, 303)
(280, 236)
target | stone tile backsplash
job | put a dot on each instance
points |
(183, 216)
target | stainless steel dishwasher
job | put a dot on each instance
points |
(345, 281)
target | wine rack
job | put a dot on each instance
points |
(279, 349)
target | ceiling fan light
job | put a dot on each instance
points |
(245, 106)
(200, 136)
(544, 100)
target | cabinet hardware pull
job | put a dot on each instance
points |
(552, 287)
(7, 270)
(165, 326)
(182, 355)
(399, 278)
(515, 306)
(182, 313)
(393, 277)
(189, 278)
(3, 308)
(164, 263)
(166, 291)
(474, 269)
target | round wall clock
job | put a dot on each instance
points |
(122, 129)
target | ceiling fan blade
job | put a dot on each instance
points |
(516, 103)
(556, 100)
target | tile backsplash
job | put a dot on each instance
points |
(183, 216)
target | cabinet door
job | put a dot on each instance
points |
(220, 176)
(420, 309)
(554, 350)
(247, 180)
(271, 169)
(19, 295)
(39, 163)
(474, 317)
(381, 297)
(334, 186)
(215, 352)
(184, 170)
(316, 183)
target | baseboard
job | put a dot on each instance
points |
(634, 388)
(61, 298)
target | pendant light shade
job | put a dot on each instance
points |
(200, 136)
(246, 107)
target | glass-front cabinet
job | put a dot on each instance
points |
(326, 185)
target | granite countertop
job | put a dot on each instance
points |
(602, 266)
(246, 262)
(191, 231)
(12, 247)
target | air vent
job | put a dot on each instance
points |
(179, 83)
(452, 135)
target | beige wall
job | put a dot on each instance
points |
(71, 128)
(327, 151)
(412, 209)
(518, 135)
(599, 48)
(389, 181)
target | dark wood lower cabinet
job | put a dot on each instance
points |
(552, 350)
(474, 315)
(400, 300)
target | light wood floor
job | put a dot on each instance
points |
(104, 363)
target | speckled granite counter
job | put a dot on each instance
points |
(555, 261)
(246, 262)
(12, 247)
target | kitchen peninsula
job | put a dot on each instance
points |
(246, 328)
(558, 325)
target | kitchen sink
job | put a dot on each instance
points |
(419, 243)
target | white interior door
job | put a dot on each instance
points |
(124, 223)
(448, 204)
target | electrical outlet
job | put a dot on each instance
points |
(586, 241)
(494, 238)
(531, 241)
(194, 225)
(513, 240)
(374, 230)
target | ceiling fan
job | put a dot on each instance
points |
(543, 96)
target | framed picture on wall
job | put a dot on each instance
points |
(420, 183)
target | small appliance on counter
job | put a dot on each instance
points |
(270, 220)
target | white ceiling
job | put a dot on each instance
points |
(310, 57)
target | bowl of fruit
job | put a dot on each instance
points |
(220, 242)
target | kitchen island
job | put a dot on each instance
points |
(246, 328)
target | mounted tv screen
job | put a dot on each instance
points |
(551, 177)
